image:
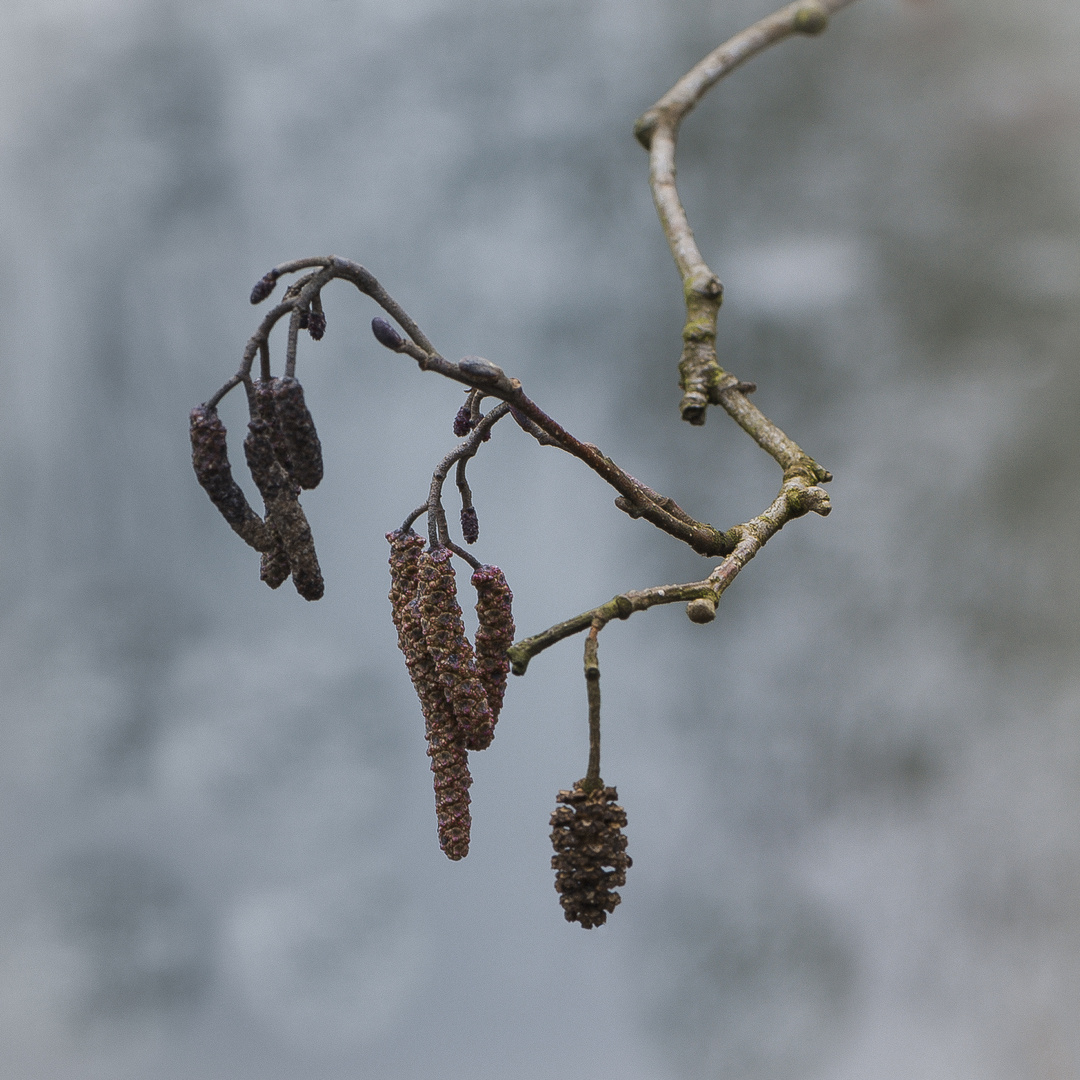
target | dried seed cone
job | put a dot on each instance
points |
(590, 852)
(494, 635)
(284, 515)
(444, 632)
(305, 450)
(210, 458)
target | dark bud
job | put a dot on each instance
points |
(298, 429)
(263, 287)
(463, 422)
(479, 370)
(302, 322)
(470, 525)
(386, 335)
(486, 436)
(316, 325)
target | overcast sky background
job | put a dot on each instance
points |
(852, 799)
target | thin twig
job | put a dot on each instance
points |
(592, 687)
(703, 381)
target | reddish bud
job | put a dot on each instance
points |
(463, 422)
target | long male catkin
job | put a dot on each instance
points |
(445, 746)
(298, 428)
(494, 635)
(284, 515)
(444, 632)
(210, 459)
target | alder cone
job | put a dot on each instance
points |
(494, 635)
(298, 429)
(444, 633)
(587, 837)
(210, 459)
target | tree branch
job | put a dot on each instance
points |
(703, 380)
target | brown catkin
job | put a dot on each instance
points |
(283, 513)
(449, 758)
(587, 837)
(305, 450)
(494, 635)
(210, 458)
(266, 409)
(444, 632)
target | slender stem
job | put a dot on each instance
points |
(703, 380)
(592, 687)
(461, 553)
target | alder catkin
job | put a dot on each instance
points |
(587, 837)
(210, 459)
(494, 635)
(449, 758)
(316, 326)
(266, 408)
(444, 632)
(298, 429)
(284, 515)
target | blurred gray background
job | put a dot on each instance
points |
(853, 799)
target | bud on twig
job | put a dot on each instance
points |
(263, 287)
(316, 325)
(210, 458)
(298, 430)
(586, 834)
(494, 635)
(470, 525)
(444, 633)
(386, 335)
(463, 422)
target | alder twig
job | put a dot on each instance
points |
(703, 380)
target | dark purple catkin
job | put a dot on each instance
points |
(298, 429)
(210, 458)
(266, 409)
(463, 422)
(587, 837)
(494, 635)
(385, 334)
(263, 287)
(302, 320)
(449, 758)
(284, 515)
(470, 525)
(444, 633)
(316, 326)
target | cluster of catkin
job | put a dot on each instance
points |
(590, 852)
(460, 688)
(284, 455)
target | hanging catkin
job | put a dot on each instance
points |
(283, 512)
(210, 458)
(444, 632)
(449, 758)
(494, 635)
(298, 428)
